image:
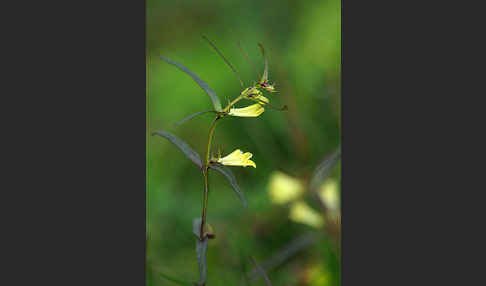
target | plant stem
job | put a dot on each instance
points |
(205, 173)
(205, 203)
(206, 166)
(210, 139)
(227, 108)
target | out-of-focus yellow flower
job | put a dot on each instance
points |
(249, 111)
(238, 158)
(284, 188)
(318, 274)
(302, 213)
(330, 196)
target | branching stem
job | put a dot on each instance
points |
(206, 166)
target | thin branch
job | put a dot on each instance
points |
(225, 60)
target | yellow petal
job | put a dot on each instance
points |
(330, 196)
(302, 213)
(284, 188)
(249, 111)
(237, 158)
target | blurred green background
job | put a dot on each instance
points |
(302, 40)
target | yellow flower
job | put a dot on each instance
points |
(249, 111)
(284, 188)
(238, 158)
(330, 196)
(301, 212)
(262, 99)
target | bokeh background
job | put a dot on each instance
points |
(284, 228)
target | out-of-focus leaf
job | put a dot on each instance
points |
(201, 248)
(212, 95)
(323, 170)
(196, 226)
(225, 60)
(262, 272)
(286, 252)
(175, 280)
(185, 148)
(231, 179)
(192, 116)
(265, 71)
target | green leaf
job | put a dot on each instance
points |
(201, 248)
(196, 226)
(212, 95)
(175, 280)
(231, 179)
(324, 168)
(192, 116)
(265, 71)
(185, 148)
(262, 272)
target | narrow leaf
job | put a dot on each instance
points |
(225, 60)
(192, 116)
(323, 170)
(201, 248)
(196, 226)
(175, 280)
(185, 148)
(285, 253)
(231, 179)
(262, 272)
(265, 71)
(212, 95)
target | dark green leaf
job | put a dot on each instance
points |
(231, 178)
(265, 71)
(196, 226)
(323, 170)
(192, 116)
(262, 272)
(188, 151)
(212, 95)
(201, 248)
(175, 280)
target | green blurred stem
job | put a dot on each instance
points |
(205, 173)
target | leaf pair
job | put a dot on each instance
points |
(212, 95)
(196, 159)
